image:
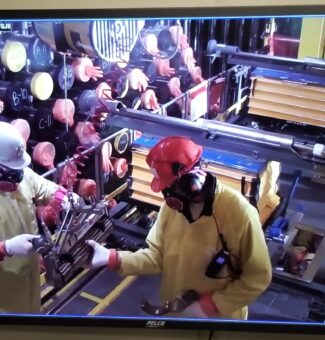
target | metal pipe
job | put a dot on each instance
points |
(235, 56)
(211, 127)
(224, 136)
(246, 134)
(98, 175)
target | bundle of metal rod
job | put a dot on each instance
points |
(133, 213)
(80, 252)
(69, 252)
(64, 293)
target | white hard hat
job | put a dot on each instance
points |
(12, 151)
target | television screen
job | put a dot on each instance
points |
(163, 168)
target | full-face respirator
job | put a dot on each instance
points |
(185, 189)
(10, 178)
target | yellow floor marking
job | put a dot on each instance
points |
(112, 295)
(64, 289)
(91, 297)
(46, 290)
(45, 305)
(71, 283)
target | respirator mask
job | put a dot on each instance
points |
(184, 191)
(10, 178)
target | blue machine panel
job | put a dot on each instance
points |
(219, 157)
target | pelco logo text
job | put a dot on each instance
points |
(155, 324)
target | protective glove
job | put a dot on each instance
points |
(100, 256)
(194, 310)
(20, 245)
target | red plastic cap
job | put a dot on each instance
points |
(168, 152)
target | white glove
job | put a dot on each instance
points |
(101, 255)
(20, 245)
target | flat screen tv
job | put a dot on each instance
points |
(132, 76)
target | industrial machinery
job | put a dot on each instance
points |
(68, 253)
(259, 117)
(252, 125)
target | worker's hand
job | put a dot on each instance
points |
(100, 256)
(194, 310)
(20, 245)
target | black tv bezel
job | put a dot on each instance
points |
(163, 322)
(162, 12)
(152, 322)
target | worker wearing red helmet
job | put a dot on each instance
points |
(206, 238)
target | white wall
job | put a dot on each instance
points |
(70, 333)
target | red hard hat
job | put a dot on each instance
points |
(171, 157)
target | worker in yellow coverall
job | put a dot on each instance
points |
(20, 188)
(207, 238)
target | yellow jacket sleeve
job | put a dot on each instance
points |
(43, 188)
(255, 265)
(149, 260)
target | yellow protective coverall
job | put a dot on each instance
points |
(183, 250)
(20, 276)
